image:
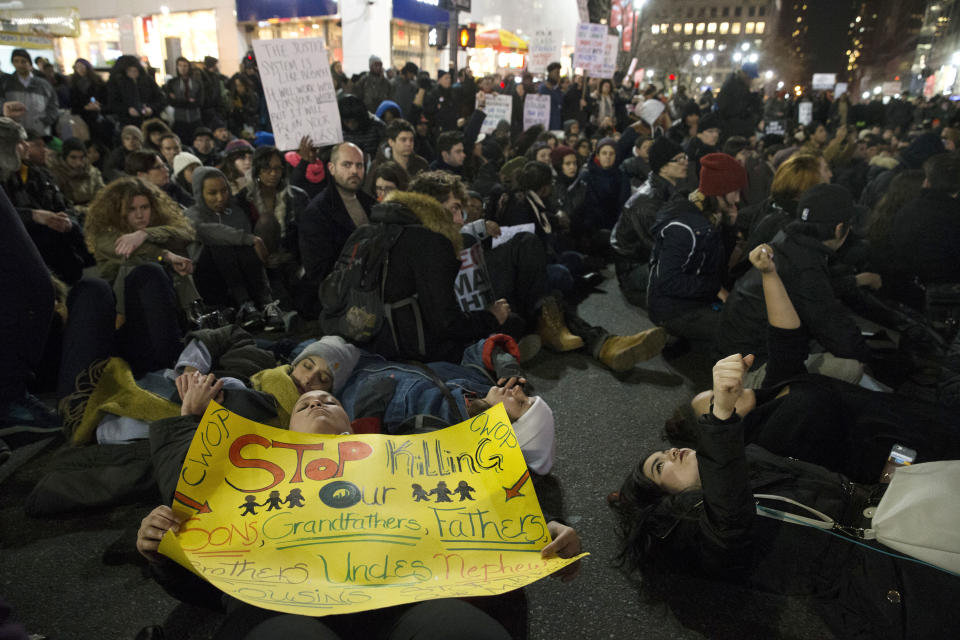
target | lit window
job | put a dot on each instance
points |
(676, 45)
(724, 27)
(698, 45)
(700, 27)
(735, 28)
(688, 28)
(677, 27)
(712, 27)
(749, 28)
(687, 45)
(711, 44)
(663, 28)
(761, 26)
(655, 29)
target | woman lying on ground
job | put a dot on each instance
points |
(696, 510)
(316, 412)
(821, 419)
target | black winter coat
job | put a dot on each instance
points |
(424, 263)
(802, 265)
(925, 238)
(324, 228)
(862, 593)
(632, 236)
(688, 264)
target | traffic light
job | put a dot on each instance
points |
(437, 36)
(467, 37)
(672, 77)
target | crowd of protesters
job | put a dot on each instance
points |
(156, 230)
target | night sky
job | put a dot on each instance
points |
(827, 35)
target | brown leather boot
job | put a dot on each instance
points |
(621, 353)
(553, 330)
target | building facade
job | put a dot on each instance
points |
(699, 42)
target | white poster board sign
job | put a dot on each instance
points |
(544, 49)
(536, 110)
(840, 89)
(805, 113)
(590, 48)
(824, 81)
(508, 233)
(299, 91)
(472, 286)
(891, 88)
(610, 51)
(499, 107)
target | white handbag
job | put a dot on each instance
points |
(919, 515)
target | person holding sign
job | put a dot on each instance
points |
(316, 412)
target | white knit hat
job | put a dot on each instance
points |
(649, 110)
(183, 160)
(535, 433)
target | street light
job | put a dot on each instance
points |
(753, 57)
(737, 57)
(696, 59)
(745, 46)
(709, 79)
(780, 85)
(955, 59)
(877, 90)
(768, 75)
(866, 95)
(699, 79)
(650, 73)
(709, 57)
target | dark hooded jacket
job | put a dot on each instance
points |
(370, 130)
(424, 263)
(923, 147)
(688, 263)
(230, 228)
(632, 236)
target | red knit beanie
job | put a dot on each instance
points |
(558, 154)
(720, 174)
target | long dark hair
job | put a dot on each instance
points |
(261, 160)
(647, 517)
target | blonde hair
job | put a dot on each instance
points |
(108, 211)
(797, 174)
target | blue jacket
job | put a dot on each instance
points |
(556, 105)
(688, 262)
(403, 391)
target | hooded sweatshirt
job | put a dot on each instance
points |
(230, 228)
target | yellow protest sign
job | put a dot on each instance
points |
(318, 525)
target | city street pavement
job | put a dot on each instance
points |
(79, 578)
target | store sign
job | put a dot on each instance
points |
(420, 11)
(256, 10)
(299, 91)
(44, 22)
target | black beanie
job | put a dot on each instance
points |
(72, 144)
(709, 121)
(662, 152)
(20, 53)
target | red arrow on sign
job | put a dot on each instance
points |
(514, 491)
(190, 502)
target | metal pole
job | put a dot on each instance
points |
(454, 41)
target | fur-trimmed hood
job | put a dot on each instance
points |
(405, 207)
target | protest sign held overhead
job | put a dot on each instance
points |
(536, 110)
(499, 107)
(299, 91)
(544, 49)
(590, 48)
(318, 525)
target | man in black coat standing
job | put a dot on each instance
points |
(332, 216)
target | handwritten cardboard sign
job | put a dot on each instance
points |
(472, 286)
(508, 233)
(499, 107)
(823, 81)
(590, 46)
(317, 525)
(544, 49)
(299, 91)
(805, 113)
(536, 110)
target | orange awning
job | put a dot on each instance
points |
(501, 40)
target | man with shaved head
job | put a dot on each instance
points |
(333, 215)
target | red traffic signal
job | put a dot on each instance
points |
(672, 77)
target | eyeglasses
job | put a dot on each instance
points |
(680, 159)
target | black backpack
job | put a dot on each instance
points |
(351, 296)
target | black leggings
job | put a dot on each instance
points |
(232, 275)
(27, 294)
(430, 620)
(149, 339)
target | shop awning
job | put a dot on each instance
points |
(501, 40)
